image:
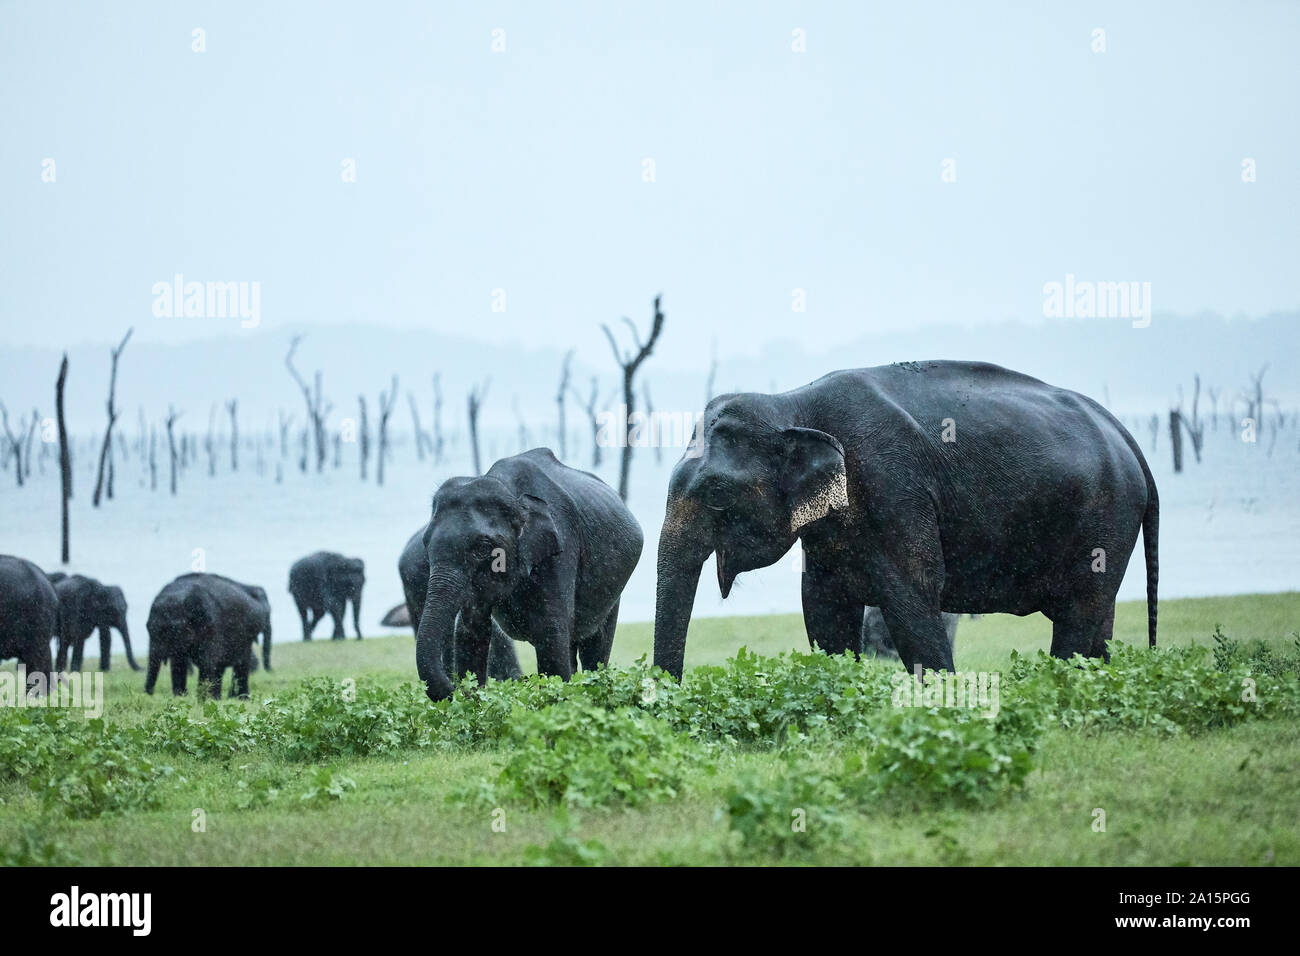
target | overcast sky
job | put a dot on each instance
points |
(525, 170)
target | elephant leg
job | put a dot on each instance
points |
(180, 673)
(151, 677)
(473, 639)
(78, 651)
(553, 640)
(105, 648)
(338, 610)
(239, 679)
(307, 625)
(1082, 629)
(210, 679)
(356, 615)
(38, 660)
(833, 623)
(916, 627)
(503, 663)
(596, 648)
(61, 657)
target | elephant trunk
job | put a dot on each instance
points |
(682, 552)
(126, 643)
(266, 643)
(155, 663)
(442, 601)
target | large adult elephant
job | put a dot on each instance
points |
(29, 615)
(84, 605)
(918, 488)
(413, 568)
(210, 621)
(323, 583)
(542, 550)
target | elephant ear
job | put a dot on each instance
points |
(814, 480)
(538, 539)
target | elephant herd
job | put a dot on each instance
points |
(917, 491)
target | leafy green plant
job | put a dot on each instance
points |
(795, 814)
(326, 786)
(582, 755)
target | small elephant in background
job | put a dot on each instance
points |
(29, 615)
(84, 605)
(323, 583)
(876, 641)
(211, 622)
(413, 568)
(537, 548)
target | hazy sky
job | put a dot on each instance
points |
(523, 170)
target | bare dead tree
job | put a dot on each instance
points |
(317, 407)
(589, 406)
(713, 372)
(1176, 438)
(172, 416)
(519, 419)
(27, 445)
(15, 443)
(153, 460)
(559, 401)
(1155, 431)
(386, 403)
(106, 448)
(286, 421)
(649, 414)
(1213, 395)
(420, 438)
(1195, 427)
(437, 418)
(232, 407)
(364, 437)
(630, 362)
(65, 459)
(476, 397)
(210, 440)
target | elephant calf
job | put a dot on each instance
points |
(323, 583)
(876, 641)
(84, 605)
(413, 568)
(209, 621)
(537, 548)
(29, 615)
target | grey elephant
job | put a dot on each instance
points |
(84, 605)
(536, 547)
(876, 641)
(29, 615)
(918, 488)
(211, 622)
(324, 583)
(413, 568)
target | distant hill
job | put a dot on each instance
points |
(1139, 370)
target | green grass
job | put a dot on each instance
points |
(1221, 797)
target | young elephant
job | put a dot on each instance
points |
(84, 605)
(540, 549)
(413, 568)
(210, 621)
(876, 641)
(323, 583)
(29, 615)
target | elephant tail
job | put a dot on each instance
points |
(1150, 546)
